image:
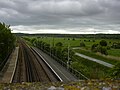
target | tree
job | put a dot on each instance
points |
(73, 39)
(65, 54)
(99, 48)
(7, 41)
(82, 44)
(59, 44)
(47, 47)
(32, 40)
(103, 43)
(94, 48)
(59, 52)
(103, 50)
(53, 50)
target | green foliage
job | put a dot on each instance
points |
(32, 40)
(108, 47)
(26, 38)
(93, 40)
(114, 52)
(94, 55)
(100, 47)
(103, 50)
(73, 39)
(103, 43)
(58, 51)
(94, 47)
(116, 45)
(59, 44)
(82, 44)
(115, 71)
(7, 41)
(89, 68)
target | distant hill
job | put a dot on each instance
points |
(103, 36)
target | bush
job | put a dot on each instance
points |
(103, 43)
(82, 44)
(99, 48)
(93, 40)
(73, 39)
(116, 45)
(59, 44)
(94, 47)
(115, 71)
(104, 51)
(108, 47)
(7, 41)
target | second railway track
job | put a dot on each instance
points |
(31, 67)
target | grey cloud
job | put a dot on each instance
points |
(74, 15)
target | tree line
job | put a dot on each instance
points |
(95, 36)
(57, 50)
(7, 42)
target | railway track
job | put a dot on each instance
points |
(31, 67)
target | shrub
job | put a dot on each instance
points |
(104, 51)
(103, 43)
(108, 47)
(115, 71)
(94, 47)
(59, 44)
(93, 40)
(99, 48)
(82, 44)
(73, 39)
(116, 45)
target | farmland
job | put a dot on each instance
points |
(88, 68)
(75, 42)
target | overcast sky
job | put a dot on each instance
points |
(61, 16)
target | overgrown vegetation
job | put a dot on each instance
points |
(115, 71)
(7, 42)
(60, 53)
(90, 68)
(101, 47)
(98, 56)
(116, 45)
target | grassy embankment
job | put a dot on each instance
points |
(88, 68)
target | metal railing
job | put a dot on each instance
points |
(76, 73)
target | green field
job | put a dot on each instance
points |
(97, 56)
(76, 43)
(89, 68)
(114, 52)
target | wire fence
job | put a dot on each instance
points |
(76, 73)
